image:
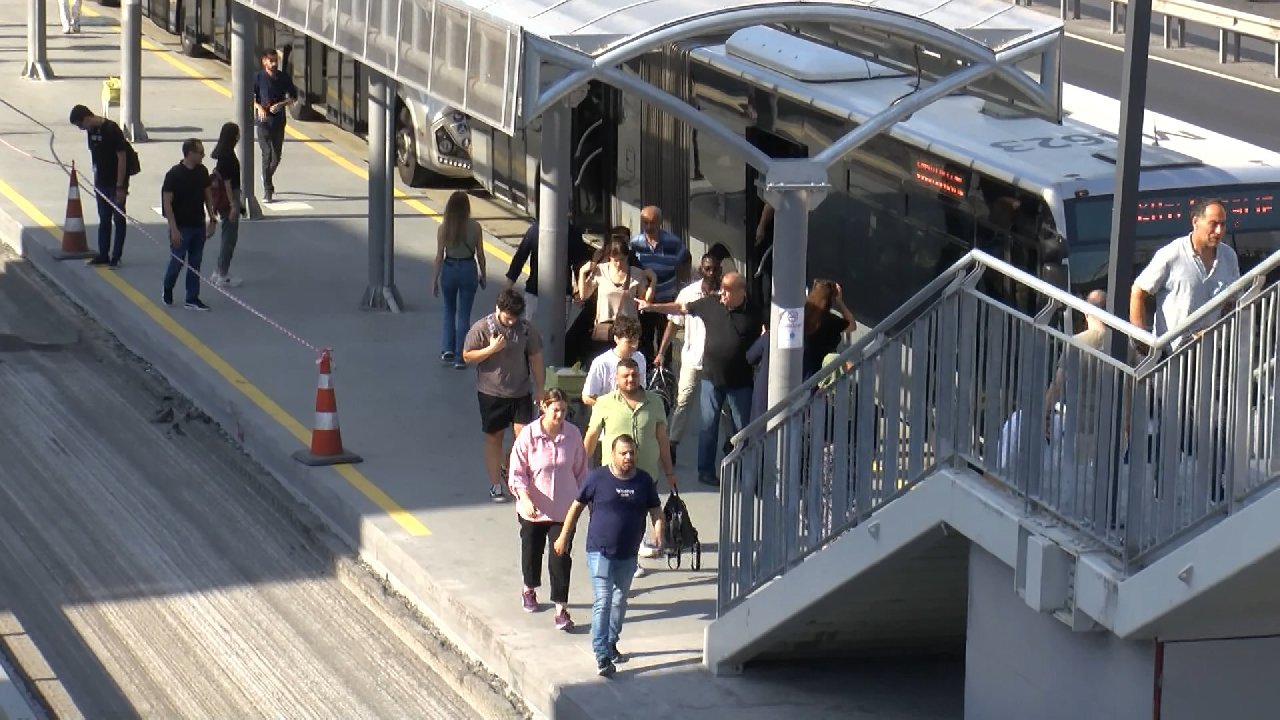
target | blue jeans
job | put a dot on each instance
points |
(190, 249)
(459, 280)
(711, 402)
(610, 583)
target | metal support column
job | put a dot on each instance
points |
(131, 71)
(381, 294)
(243, 68)
(792, 188)
(1124, 214)
(37, 65)
(553, 232)
(1124, 221)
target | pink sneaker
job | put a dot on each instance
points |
(529, 601)
(563, 621)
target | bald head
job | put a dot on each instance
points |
(733, 289)
(651, 223)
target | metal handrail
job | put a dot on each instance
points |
(947, 278)
(957, 376)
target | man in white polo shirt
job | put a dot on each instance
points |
(601, 375)
(1186, 274)
(1183, 277)
(708, 283)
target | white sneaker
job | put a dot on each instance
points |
(649, 551)
(215, 278)
(640, 571)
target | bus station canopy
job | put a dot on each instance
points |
(505, 61)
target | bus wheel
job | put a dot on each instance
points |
(411, 172)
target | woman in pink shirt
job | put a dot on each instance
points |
(548, 463)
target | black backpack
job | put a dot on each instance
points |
(680, 535)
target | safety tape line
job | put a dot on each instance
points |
(57, 162)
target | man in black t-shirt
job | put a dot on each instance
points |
(273, 92)
(732, 324)
(187, 197)
(110, 180)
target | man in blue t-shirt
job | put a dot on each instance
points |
(273, 92)
(620, 496)
(664, 253)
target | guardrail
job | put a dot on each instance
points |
(1230, 23)
(1133, 456)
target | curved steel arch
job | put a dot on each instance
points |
(584, 68)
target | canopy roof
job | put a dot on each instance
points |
(489, 58)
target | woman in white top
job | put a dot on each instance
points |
(617, 286)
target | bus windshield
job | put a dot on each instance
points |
(1254, 230)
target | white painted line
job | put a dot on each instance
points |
(1182, 65)
(286, 205)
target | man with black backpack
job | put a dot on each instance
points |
(114, 162)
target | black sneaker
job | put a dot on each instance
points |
(166, 297)
(605, 668)
(446, 357)
(196, 304)
(114, 262)
(615, 655)
(99, 261)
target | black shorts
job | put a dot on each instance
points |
(497, 413)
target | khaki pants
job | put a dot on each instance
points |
(686, 393)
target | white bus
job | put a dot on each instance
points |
(963, 172)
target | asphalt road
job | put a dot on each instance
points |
(159, 572)
(1227, 107)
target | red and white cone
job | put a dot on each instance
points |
(326, 437)
(75, 244)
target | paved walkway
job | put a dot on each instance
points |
(417, 508)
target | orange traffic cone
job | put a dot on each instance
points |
(75, 245)
(326, 437)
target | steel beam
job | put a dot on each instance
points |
(553, 231)
(381, 293)
(37, 65)
(243, 68)
(131, 71)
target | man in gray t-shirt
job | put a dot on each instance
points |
(1186, 274)
(507, 353)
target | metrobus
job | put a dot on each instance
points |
(432, 140)
(962, 173)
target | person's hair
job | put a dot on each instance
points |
(628, 363)
(719, 252)
(189, 146)
(1202, 206)
(79, 114)
(620, 232)
(268, 53)
(553, 396)
(455, 225)
(818, 305)
(617, 248)
(227, 139)
(625, 326)
(620, 439)
(511, 301)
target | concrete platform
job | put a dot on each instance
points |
(417, 508)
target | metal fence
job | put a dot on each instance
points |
(1133, 455)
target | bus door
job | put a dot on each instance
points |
(594, 138)
(759, 224)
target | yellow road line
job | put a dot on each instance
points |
(404, 518)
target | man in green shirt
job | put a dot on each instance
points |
(631, 410)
